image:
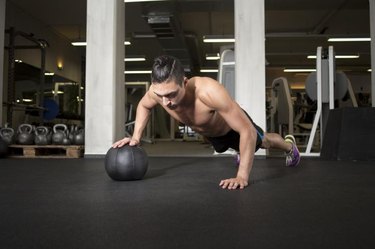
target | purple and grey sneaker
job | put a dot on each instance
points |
(293, 157)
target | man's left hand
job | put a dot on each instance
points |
(234, 183)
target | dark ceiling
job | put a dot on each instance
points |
(294, 28)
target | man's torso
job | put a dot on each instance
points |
(197, 115)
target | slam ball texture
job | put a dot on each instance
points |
(126, 163)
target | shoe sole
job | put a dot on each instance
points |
(290, 137)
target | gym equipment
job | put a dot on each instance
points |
(134, 92)
(25, 134)
(325, 86)
(72, 132)
(282, 105)
(51, 109)
(3, 148)
(7, 135)
(126, 163)
(79, 136)
(350, 134)
(226, 74)
(12, 46)
(42, 136)
(60, 135)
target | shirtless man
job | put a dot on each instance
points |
(204, 105)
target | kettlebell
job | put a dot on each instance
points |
(79, 136)
(72, 132)
(60, 136)
(7, 134)
(42, 136)
(66, 139)
(25, 134)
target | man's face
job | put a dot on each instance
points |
(170, 93)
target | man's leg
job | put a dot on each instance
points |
(288, 145)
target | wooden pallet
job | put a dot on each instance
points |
(46, 151)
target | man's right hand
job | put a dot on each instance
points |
(124, 141)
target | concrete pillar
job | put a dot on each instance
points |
(2, 30)
(105, 93)
(250, 59)
(372, 33)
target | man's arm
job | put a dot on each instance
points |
(216, 96)
(141, 119)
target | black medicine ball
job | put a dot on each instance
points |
(126, 163)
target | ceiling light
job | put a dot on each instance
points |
(218, 39)
(212, 57)
(49, 74)
(369, 70)
(132, 59)
(209, 70)
(298, 70)
(348, 39)
(82, 44)
(57, 92)
(79, 44)
(337, 56)
(137, 1)
(137, 72)
(143, 35)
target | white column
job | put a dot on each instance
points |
(372, 32)
(2, 30)
(250, 59)
(105, 94)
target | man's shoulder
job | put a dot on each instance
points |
(202, 82)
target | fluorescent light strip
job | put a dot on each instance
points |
(349, 39)
(209, 70)
(79, 44)
(337, 56)
(49, 74)
(135, 59)
(137, 72)
(82, 44)
(138, 1)
(212, 57)
(298, 70)
(218, 40)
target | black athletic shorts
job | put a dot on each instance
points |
(232, 139)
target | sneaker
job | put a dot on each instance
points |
(293, 157)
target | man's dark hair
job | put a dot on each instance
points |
(167, 68)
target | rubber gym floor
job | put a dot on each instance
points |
(54, 203)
